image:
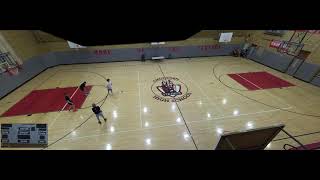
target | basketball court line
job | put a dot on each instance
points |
(246, 114)
(210, 101)
(139, 99)
(62, 109)
(170, 125)
(249, 81)
(260, 112)
(124, 131)
(261, 102)
(36, 86)
(265, 90)
(83, 121)
(300, 135)
(113, 103)
(185, 123)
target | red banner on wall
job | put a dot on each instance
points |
(275, 43)
(208, 47)
(173, 49)
(103, 52)
(140, 50)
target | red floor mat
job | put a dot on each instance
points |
(46, 100)
(243, 82)
(259, 80)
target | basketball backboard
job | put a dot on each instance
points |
(290, 48)
(74, 45)
(7, 62)
(253, 139)
(225, 37)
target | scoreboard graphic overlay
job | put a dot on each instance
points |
(24, 135)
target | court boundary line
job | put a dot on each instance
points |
(65, 105)
(82, 122)
(279, 109)
(139, 98)
(29, 91)
(124, 131)
(207, 97)
(260, 102)
(300, 135)
(169, 125)
(246, 114)
(246, 90)
(180, 124)
(185, 123)
(248, 81)
(266, 90)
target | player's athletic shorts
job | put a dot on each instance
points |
(70, 103)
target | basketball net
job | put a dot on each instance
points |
(283, 48)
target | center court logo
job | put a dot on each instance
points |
(169, 89)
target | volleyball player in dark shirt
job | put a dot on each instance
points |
(82, 88)
(69, 102)
(97, 111)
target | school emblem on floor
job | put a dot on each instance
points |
(169, 89)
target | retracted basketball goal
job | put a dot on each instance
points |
(295, 44)
(290, 48)
(9, 65)
(13, 70)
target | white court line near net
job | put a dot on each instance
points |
(203, 92)
(169, 125)
(249, 81)
(263, 89)
(124, 131)
(54, 120)
(233, 116)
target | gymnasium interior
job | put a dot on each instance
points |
(213, 90)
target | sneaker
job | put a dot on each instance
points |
(105, 119)
(99, 122)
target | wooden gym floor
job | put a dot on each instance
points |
(136, 120)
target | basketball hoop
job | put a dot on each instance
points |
(290, 48)
(13, 71)
(283, 50)
(283, 47)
